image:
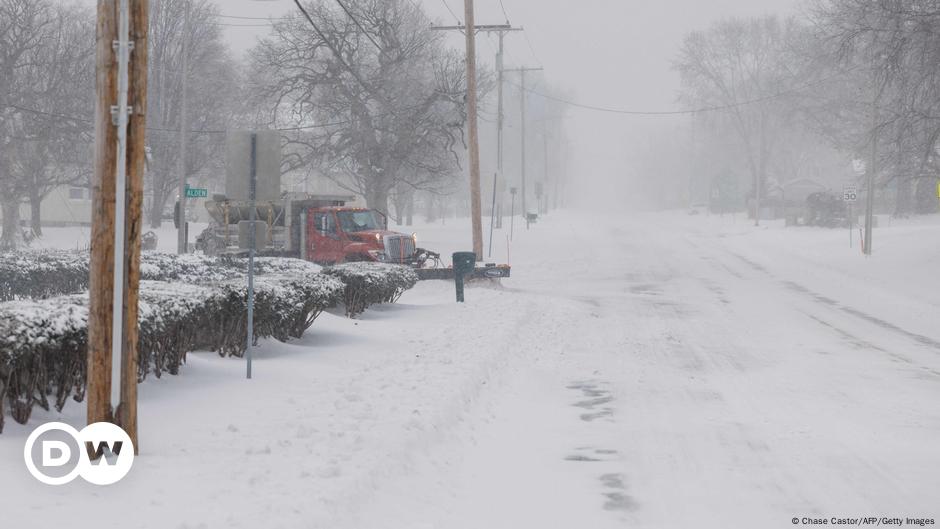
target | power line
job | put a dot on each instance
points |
(50, 114)
(503, 7)
(358, 25)
(535, 55)
(207, 131)
(253, 18)
(240, 25)
(673, 112)
(531, 47)
(336, 53)
(452, 12)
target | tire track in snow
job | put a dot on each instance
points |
(819, 298)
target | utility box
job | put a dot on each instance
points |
(244, 233)
(238, 165)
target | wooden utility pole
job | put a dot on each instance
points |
(476, 207)
(476, 204)
(106, 228)
(872, 171)
(522, 97)
(136, 162)
(101, 271)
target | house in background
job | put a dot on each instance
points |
(70, 205)
(66, 205)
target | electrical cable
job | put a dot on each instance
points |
(459, 23)
(358, 25)
(503, 7)
(336, 52)
(714, 108)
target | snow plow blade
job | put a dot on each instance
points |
(484, 272)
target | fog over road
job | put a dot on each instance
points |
(674, 382)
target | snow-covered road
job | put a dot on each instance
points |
(651, 371)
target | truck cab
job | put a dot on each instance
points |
(339, 234)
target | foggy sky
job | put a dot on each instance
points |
(611, 53)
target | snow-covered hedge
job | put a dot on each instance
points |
(186, 303)
(41, 274)
(372, 283)
(189, 268)
(34, 274)
(285, 307)
(42, 354)
(43, 343)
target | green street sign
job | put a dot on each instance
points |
(194, 192)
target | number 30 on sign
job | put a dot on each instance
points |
(850, 193)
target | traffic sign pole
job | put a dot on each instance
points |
(850, 224)
(850, 197)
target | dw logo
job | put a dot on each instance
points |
(57, 453)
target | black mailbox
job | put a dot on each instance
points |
(464, 264)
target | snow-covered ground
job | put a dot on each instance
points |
(657, 370)
(79, 237)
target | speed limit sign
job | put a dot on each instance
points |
(850, 193)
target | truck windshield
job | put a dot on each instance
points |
(353, 221)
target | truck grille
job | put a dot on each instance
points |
(399, 249)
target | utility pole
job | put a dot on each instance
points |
(252, 217)
(545, 178)
(120, 127)
(476, 207)
(522, 96)
(182, 241)
(136, 163)
(476, 204)
(501, 115)
(872, 170)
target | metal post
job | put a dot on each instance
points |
(492, 215)
(522, 103)
(851, 223)
(512, 213)
(545, 178)
(500, 120)
(252, 217)
(182, 242)
(303, 235)
(120, 203)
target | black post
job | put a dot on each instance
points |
(492, 216)
(252, 216)
(512, 212)
(458, 281)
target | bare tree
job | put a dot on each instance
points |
(890, 49)
(213, 84)
(742, 66)
(380, 98)
(45, 82)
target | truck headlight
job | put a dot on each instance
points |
(378, 255)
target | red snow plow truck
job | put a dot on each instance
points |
(322, 229)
